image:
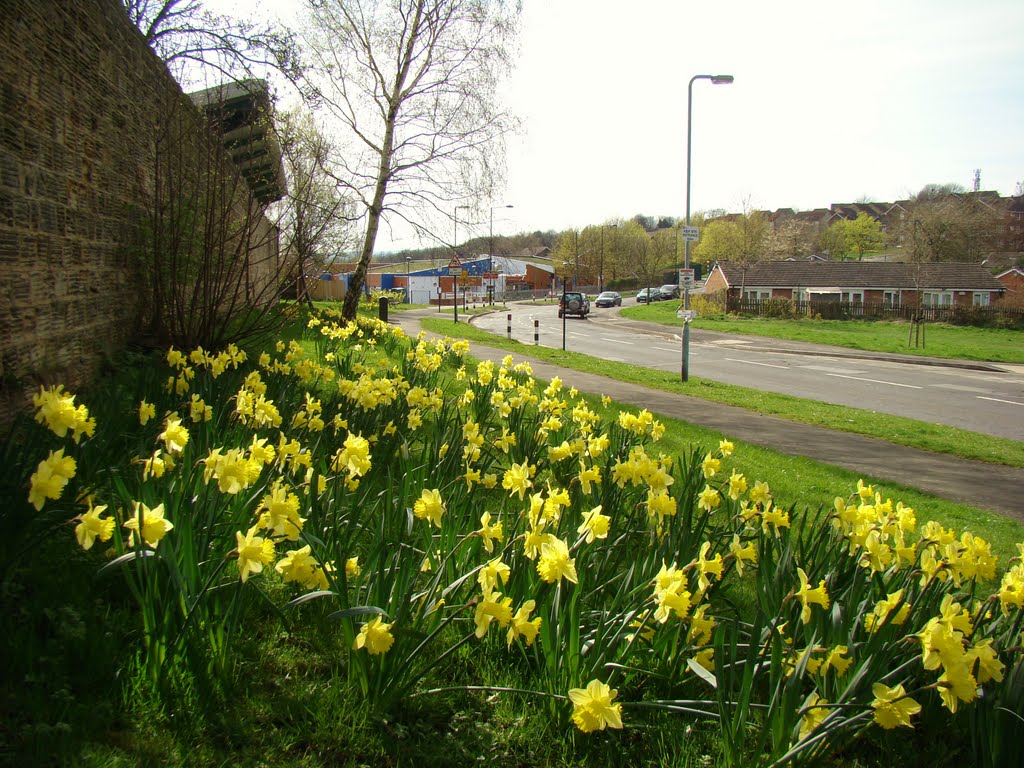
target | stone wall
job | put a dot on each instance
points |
(77, 90)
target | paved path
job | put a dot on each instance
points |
(988, 486)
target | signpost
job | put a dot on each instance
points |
(690, 234)
(686, 277)
(455, 270)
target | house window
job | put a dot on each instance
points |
(756, 295)
(853, 297)
(937, 299)
(981, 298)
(890, 299)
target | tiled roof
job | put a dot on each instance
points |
(861, 274)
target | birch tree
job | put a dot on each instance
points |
(413, 86)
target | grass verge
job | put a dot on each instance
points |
(938, 438)
(951, 342)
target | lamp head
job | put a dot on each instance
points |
(721, 79)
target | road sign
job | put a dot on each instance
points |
(455, 271)
(454, 263)
(691, 234)
(686, 315)
(686, 277)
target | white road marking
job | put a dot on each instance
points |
(997, 400)
(874, 381)
(667, 349)
(958, 388)
(752, 362)
(728, 342)
(617, 341)
(831, 369)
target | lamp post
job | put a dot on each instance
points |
(455, 278)
(715, 80)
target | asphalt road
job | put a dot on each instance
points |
(983, 398)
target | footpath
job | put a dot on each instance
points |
(996, 488)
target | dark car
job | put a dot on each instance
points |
(647, 295)
(573, 303)
(609, 299)
(670, 291)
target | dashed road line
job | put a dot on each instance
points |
(875, 381)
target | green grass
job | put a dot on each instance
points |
(938, 438)
(955, 342)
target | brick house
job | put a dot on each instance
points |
(1013, 280)
(859, 282)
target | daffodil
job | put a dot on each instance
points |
(892, 706)
(742, 552)
(375, 636)
(555, 563)
(809, 596)
(815, 711)
(491, 574)
(150, 523)
(429, 506)
(174, 436)
(595, 525)
(147, 411)
(709, 499)
(50, 477)
(493, 607)
(517, 479)
(253, 552)
(593, 709)
(490, 532)
(523, 626)
(91, 527)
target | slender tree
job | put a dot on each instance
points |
(413, 84)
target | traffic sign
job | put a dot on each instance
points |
(686, 277)
(686, 315)
(691, 234)
(454, 263)
(455, 271)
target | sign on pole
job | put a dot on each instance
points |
(686, 277)
(691, 234)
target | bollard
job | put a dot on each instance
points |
(509, 329)
(382, 307)
(536, 333)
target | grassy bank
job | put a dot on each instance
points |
(896, 429)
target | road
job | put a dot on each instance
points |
(988, 401)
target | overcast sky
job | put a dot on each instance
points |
(832, 102)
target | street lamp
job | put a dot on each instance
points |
(715, 80)
(455, 278)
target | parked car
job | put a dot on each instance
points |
(647, 295)
(609, 299)
(670, 291)
(573, 303)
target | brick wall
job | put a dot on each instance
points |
(77, 92)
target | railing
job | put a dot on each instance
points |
(960, 314)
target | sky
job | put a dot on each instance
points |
(831, 103)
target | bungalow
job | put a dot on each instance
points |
(858, 282)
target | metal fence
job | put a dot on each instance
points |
(1009, 317)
